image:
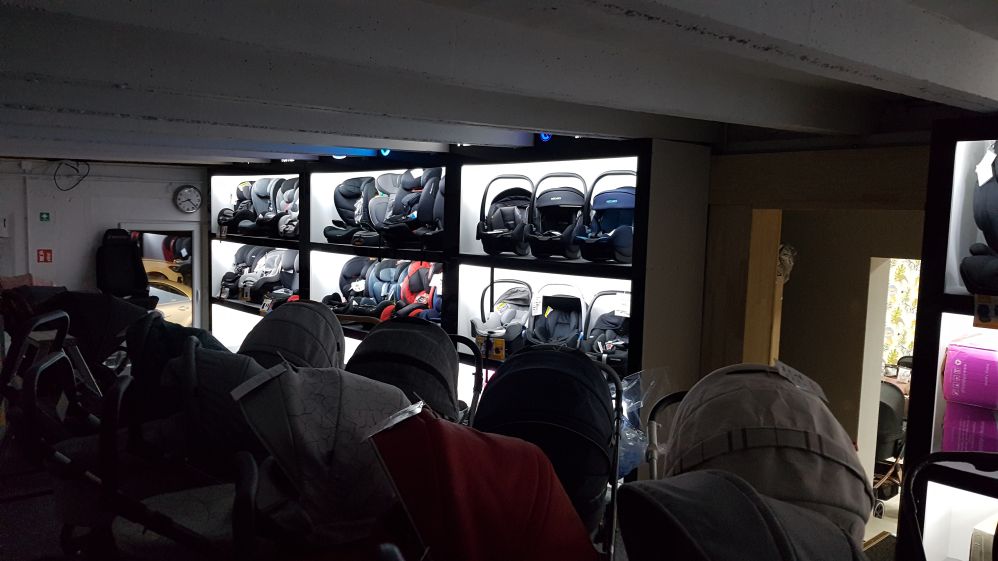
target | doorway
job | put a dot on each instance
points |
(890, 332)
(172, 267)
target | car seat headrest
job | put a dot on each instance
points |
(117, 236)
(388, 183)
(409, 183)
(261, 188)
(429, 174)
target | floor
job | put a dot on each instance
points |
(28, 530)
(889, 523)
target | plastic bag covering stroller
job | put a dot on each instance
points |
(713, 515)
(414, 355)
(507, 319)
(559, 400)
(771, 426)
(504, 227)
(302, 333)
(315, 423)
(479, 497)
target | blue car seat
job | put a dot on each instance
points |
(608, 222)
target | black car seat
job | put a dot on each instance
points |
(242, 208)
(231, 281)
(503, 226)
(375, 201)
(608, 336)
(554, 218)
(430, 214)
(414, 194)
(119, 269)
(264, 197)
(560, 321)
(980, 269)
(346, 200)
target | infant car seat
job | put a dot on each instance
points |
(607, 337)
(346, 198)
(402, 216)
(554, 218)
(504, 330)
(430, 214)
(373, 209)
(608, 222)
(558, 316)
(241, 210)
(504, 227)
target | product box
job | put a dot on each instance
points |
(969, 429)
(970, 375)
(982, 539)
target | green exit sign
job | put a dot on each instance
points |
(44, 217)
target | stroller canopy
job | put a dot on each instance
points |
(303, 333)
(716, 516)
(315, 423)
(770, 425)
(414, 355)
(480, 497)
(559, 400)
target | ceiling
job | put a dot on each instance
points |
(251, 80)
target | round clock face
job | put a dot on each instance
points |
(187, 199)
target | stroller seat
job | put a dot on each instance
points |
(346, 200)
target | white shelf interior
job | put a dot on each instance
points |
(950, 517)
(223, 193)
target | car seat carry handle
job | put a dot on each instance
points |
(592, 305)
(485, 195)
(479, 375)
(592, 190)
(491, 286)
(537, 188)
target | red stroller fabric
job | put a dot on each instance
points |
(474, 496)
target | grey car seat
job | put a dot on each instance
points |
(373, 210)
(346, 198)
(264, 197)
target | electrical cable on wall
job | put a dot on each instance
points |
(70, 171)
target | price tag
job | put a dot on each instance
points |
(267, 306)
(224, 294)
(244, 293)
(223, 231)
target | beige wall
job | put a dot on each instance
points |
(825, 302)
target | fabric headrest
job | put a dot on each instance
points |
(408, 182)
(261, 188)
(430, 173)
(352, 187)
(386, 274)
(243, 191)
(388, 183)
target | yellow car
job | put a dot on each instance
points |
(158, 268)
(176, 301)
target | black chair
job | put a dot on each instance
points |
(906, 361)
(890, 444)
(120, 271)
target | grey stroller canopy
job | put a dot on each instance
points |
(716, 516)
(770, 425)
(315, 422)
(302, 333)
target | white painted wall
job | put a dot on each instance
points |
(873, 368)
(111, 194)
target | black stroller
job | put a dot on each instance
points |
(560, 400)
(418, 357)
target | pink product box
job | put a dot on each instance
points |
(969, 429)
(970, 376)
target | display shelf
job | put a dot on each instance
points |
(283, 243)
(385, 252)
(575, 267)
(354, 331)
(239, 305)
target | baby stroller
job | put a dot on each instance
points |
(555, 218)
(504, 227)
(301, 333)
(757, 420)
(609, 222)
(559, 399)
(559, 317)
(608, 336)
(504, 330)
(418, 357)
(474, 496)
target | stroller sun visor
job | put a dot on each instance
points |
(315, 422)
(414, 355)
(305, 334)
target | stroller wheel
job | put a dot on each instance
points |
(878, 509)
